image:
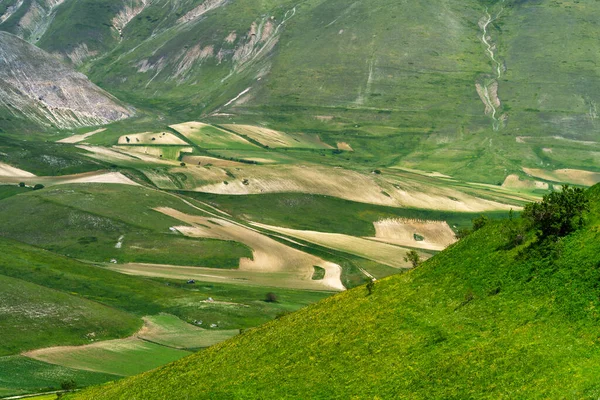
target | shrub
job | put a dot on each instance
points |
(462, 233)
(413, 257)
(559, 213)
(38, 186)
(68, 385)
(21, 184)
(271, 297)
(480, 222)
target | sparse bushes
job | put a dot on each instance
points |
(271, 297)
(413, 257)
(370, 286)
(480, 222)
(558, 214)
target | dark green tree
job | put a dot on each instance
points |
(413, 257)
(559, 213)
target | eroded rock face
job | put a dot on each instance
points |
(36, 86)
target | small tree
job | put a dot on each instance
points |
(559, 213)
(413, 257)
(21, 184)
(68, 385)
(370, 286)
(38, 186)
(480, 222)
(271, 297)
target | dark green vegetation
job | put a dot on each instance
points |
(24, 375)
(88, 223)
(40, 316)
(559, 213)
(479, 320)
(42, 158)
(315, 212)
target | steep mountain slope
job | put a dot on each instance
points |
(480, 320)
(34, 86)
(476, 89)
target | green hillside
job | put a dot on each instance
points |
(470, 98)
(482, 319)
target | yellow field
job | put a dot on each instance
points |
(210, 137)
(515, 182)
(80, 138)
(210, 161)
(437, 234)
(383, 253)
(344, 146)
(9, 171)
(575, 176)
(268, 255)
(87, 177)
(275, 139)
(165, 153)
(350, 185)
(160, 138)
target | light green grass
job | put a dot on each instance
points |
(121, 357)
(171, 331)
(479, 320)
(34, 316)
(210, 137)
(19, 375)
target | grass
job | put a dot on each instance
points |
(210, 137)
(481, 319)
(170, 331)
(143, 297)
(324, 213)
(33, 316)
(122, 357)
(20, 375)
(86, 222)
(45, 158)
(11, 190)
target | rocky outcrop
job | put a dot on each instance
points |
(36, 87)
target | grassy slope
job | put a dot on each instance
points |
(477, 321)
(85, 222)
(33, 316)
(147, 296)
(23, 375)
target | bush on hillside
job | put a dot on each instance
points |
(38, 186)
(413, 257)
(559, 213)
(271, 298)
(480, 222)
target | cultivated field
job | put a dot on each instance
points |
(81, 137)
(274, 139)
(383, 253)
(268, 255)
(122, 357)
(171, 331)
(575, 176)
(12, 172)
(161, 152)
(210, 137)
(430, 235)
(152, 138)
